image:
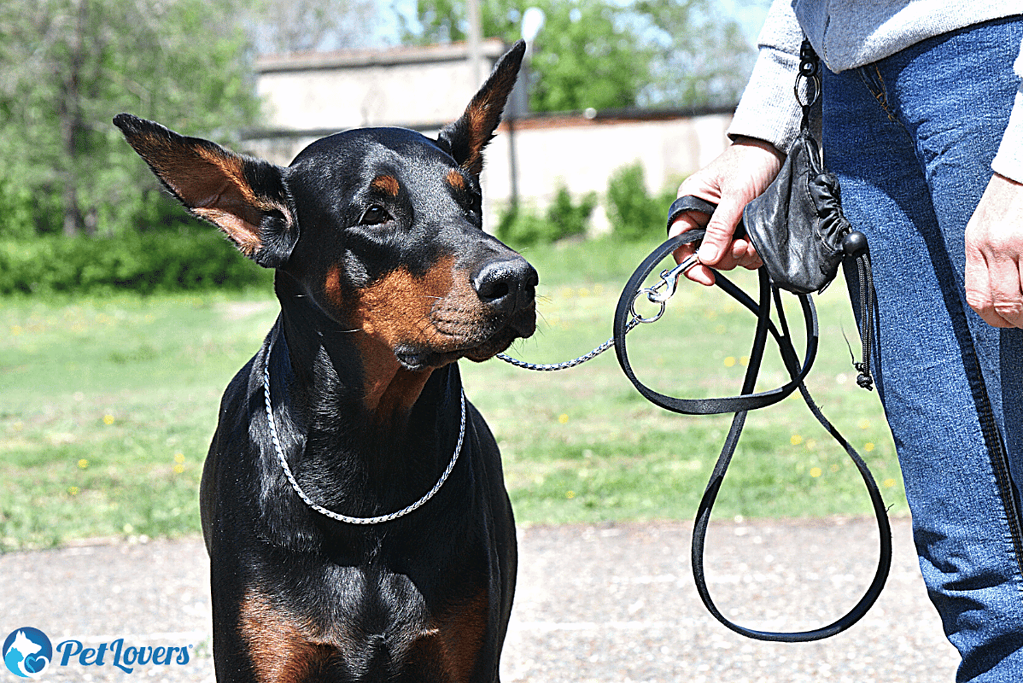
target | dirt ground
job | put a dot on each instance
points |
(594, 603)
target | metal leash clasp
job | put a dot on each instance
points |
(661, 292)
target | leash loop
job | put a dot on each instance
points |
(626, 319)
(330, 513)
(761, 309)
(741, 405)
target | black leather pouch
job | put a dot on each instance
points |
(797, 225)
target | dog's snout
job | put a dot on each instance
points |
(508, 285)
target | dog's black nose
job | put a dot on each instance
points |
(507, 285)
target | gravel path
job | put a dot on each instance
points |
(594, 603)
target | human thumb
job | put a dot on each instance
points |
(720, 231)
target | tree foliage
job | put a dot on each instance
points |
(608, 54)
(68, 66)
(698, 59)
(280, 26)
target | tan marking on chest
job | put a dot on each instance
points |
(278, 645)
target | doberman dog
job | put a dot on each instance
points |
(353, 408)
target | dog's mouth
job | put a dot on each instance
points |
(454, 340)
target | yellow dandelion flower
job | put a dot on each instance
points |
(730, 362)
(178, 469)
(73, 490)
(570, 494)
(888, 483)
(563, 419)
(108, 419)
(869, 446)
(179, 458)
(83, 463)
(816, 472)
(795, 439)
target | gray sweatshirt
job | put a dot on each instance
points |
(851, 33)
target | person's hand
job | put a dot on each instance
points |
(741, 173)
(994, 254)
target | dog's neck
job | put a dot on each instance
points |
(339, 364)
(395, 454)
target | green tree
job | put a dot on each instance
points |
(697, 59)
(584, 56)
(68, 66)
(608, 54)
(280, 26)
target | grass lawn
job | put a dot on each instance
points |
(107, 406)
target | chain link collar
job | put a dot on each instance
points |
(330, 513)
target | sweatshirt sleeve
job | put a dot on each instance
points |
(768, 109)
(1009, 160)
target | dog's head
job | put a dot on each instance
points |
(381, 227)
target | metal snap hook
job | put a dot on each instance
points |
(663, 291)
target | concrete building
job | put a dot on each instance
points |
(311, 95)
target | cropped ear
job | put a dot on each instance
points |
(466, 138)
(246, 198)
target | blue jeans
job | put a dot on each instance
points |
(911, 139)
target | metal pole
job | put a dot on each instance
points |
(475, 60)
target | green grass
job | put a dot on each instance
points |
(107, 406)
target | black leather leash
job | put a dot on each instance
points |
(740, 405)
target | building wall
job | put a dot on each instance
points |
(581, 154)
(412, 87)
(309, 96)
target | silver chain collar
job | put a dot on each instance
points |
(330, 513)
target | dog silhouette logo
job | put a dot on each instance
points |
(27, 652)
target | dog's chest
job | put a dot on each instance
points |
(361, 623)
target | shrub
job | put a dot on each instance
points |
(570, 219)
(521, 227)
(632, 212)
(185, 259)
(26, 213)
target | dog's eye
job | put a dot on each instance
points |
(475, 204)
(374, 215)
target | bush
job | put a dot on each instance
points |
(186, 259)
(26, 213)
(570, 219)
(632, 212)
(520, 227)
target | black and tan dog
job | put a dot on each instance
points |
(354, 408)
